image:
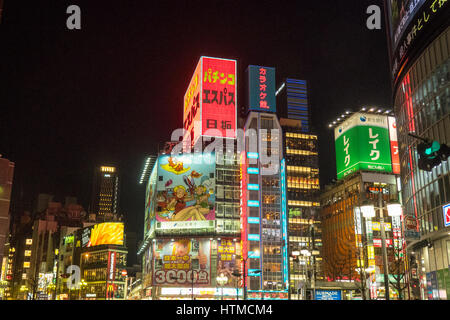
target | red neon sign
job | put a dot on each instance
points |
(218, 100)
(394, 145)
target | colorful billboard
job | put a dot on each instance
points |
(362, 143)
(182, 262)
(102, 233)
(185, 191)
(227, 250)
(211, 99)
(261, 89)
(192, 104)
(394, 145)
(446, 212)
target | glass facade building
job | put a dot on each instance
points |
(420, 60)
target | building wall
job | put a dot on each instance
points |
(422, 106)
(6, 179)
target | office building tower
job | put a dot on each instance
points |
(6, 180)
(292, 99)
(105, 193)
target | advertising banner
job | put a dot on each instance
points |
(394, 145)
(185, 191)
(219, 101)
(362, 143)
(102, 233)
(227, 249)
(192, 104)
(182, 262)
(261, 89)
(446, 212)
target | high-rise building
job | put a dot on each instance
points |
(292, 96)
(6, 180)
(105, 193)
(303, 207)
(419, 43)
(263, 206)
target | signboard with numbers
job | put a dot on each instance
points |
(211, 99)
(182, 262)
(362, 143)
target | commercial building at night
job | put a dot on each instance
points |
(419, 43)
(362, 237)
(6, 179)
(105, 193)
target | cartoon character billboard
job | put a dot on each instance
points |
(182, 262)
(185, 190)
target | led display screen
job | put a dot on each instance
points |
(103, 233)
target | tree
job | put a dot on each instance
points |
(397, 268)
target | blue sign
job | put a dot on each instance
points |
(328, 295)
(261, 89)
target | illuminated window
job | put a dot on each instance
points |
(24, 275)
(27, 253)
(29, 241)
(26, 264)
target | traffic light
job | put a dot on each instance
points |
(431, 153)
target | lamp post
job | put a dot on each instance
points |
(394, 210)
(222, 280)
(83, 285)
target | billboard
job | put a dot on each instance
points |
(362, 143)
(328, 295)
(394, 145)
(102, 233)
(446, 212)
(185, 191)
(211, 99)
(227, 250)
(182, 262)
(261, 88)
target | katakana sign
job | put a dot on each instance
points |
(362, 143)
(261, 89)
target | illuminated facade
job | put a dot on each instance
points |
(304, 228)
(6, 179)
(420, 61)
(351, 241)
(263, 209)
(105, 193)
(293, 99)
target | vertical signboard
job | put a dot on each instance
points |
(226, 260)
(192, 104)
(284, 230)
(362, 143)
(261, 89)
(394, 145)
(218, 102)
(446, 212)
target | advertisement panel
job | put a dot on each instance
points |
(261, 88)
(219, 101)
(394, 145)
(182, 262)
(185, 191)
(362, 143)
(328, 295)
(446, 212)
(150, 201)
(102, 233)
(192, 104)
(227, 250)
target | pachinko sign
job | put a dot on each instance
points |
(185, 191)
(182, 262)
(210, 100)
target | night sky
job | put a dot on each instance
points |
(111, 92)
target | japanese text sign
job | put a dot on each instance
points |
(362, 143)
(261, 88)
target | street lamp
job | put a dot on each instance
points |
(368, 212)
(222, 280)
(83, 285)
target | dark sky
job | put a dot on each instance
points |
(110, 92)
